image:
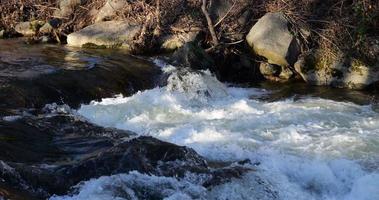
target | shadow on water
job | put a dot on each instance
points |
(32, 76)
(298, 90)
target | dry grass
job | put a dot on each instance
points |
(336, 26)
(14, 11)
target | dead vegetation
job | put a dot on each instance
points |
(336, 27)
(333, 26)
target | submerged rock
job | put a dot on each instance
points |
(64, 150)
(111, 34)
(271, 38)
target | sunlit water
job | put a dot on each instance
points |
(310, 148)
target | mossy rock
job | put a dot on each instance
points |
(93, 46)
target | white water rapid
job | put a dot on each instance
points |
(308, 149)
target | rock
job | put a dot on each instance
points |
(192, 56)
(46, 29)
(173, 42)
(28, 28)
(112, 34)
(45, 39)
(66, 7)
(271, 38)
(275, 72)
(2, 32)
(78, 151)
(286, 74)
(269, 70)
(343, 72)
(110, 9)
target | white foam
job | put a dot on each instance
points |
(134, 185)
(309, 149)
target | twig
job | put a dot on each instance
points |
(210, 24)
(233, 43)
(226, 14)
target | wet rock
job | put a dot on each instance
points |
(172, 42)
(112, 34)
(2, 32)
(110, 9)
(271, 38)
(192, 56)
(342, 72)
(70, 150)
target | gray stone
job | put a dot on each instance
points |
(275, 72)
(286, 73)
(110, 9)
(46, 29)
(28, 28)
(271, 38)
(66, 7)
(173, 42)
(111, 34)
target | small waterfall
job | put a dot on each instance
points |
(196, 85)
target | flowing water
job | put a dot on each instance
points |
(299, 144)
(306, 148)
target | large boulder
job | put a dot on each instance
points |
(109, 34)
(75, 150)
(110, 9)
(343, 72)
(271, 38)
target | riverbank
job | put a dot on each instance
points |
(332, 43)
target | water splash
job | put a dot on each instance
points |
(310, 148)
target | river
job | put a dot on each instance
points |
(300, 145)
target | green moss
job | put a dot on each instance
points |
(7, 138)
(356, 66)
(93, 46)
(36, 24)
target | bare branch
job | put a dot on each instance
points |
(210, 23)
